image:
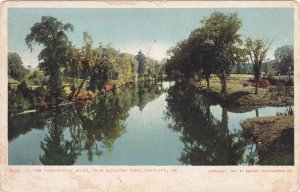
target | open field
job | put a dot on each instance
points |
(234, 84)
(244, 95)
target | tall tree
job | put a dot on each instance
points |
(284, 59)
(179, 65)
(16, 69)
(51, 34)
(257, 51)
(201, 54)
(141, 58)
(220, 32)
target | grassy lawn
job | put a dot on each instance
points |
(244, 95)
(13, 82)
(234, 84)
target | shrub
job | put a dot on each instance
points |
(16, 101)
(82, 99)
(281, 81)
(264, 83)
(47, 100)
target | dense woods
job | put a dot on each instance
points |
(66, 72)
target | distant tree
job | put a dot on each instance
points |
(51, 34)
(257, 51)
(269, 67)
(134, 69)
(76, 65)
(238, 68)
(152, 67)
(141, 58)
(111, 61)
(284, 59)
(90, 60)
(16, 69)
(126, 62)
(265, 67)
(106, 67)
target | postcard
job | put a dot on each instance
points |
(149, 96)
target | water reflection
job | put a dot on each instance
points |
(57, 150)
(76, 129)
(207, 141)
(179, 126)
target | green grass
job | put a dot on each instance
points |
(234, 83)
(244, 95)
(13, 82)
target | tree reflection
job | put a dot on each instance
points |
(23, 124)
(57, 150)
(92, 129)
(207, 140)
(146, 93)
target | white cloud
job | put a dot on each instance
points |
(153, 49)
(29, 58)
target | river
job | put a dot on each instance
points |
(149, 125)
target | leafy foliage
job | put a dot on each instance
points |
(15, 68)
(141, 58)
(221, 31)
(284, 59)
(51, 34)
(23, 98)
(213, 48)
(257, 51)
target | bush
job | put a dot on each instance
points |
(290, 82)
(16, 101)
(264, 83)
(280, 81)
(37, 78)
(82, 99)
(47, 100)
(23, 98)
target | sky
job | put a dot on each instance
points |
(153, 30)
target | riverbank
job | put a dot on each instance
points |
(274, 138)
(37, 110)
(241, 92)
(84, 96)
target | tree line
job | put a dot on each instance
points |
(217, 47)
(91, 68)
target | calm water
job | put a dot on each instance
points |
(148, 125)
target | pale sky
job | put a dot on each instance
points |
(153, 31)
